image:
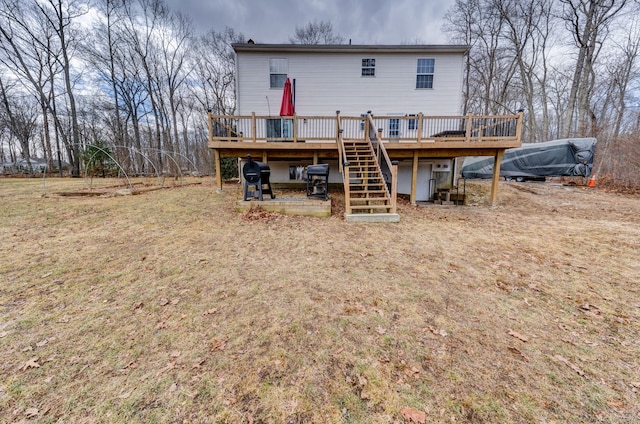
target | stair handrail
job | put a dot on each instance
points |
(343, 165)
(340, 143)
(382, 157)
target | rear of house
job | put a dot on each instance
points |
(403, 101)
(395, 82)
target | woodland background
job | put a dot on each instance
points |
(135, 79)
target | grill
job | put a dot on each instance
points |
(256, 175)
(318, 180)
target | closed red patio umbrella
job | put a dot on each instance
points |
(287, 108)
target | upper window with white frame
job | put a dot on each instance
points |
(424, 76)
(368, 67)
(278, 70)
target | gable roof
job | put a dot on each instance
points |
(349, 48)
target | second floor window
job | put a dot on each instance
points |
(278, 70)
(424, 77)
(368, 67)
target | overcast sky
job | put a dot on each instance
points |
(364, 22)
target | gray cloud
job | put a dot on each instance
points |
(364, 22)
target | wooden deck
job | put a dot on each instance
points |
(319, 138)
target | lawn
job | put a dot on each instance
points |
(171, 307)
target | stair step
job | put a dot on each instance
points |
(365, 187)
(365, 207)
(371, 205)
(365, 183)
(368, 192)
(368, 180)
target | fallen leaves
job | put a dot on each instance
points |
(518, 352)
(31, 363)
(414, 415)
(165, 302)
(615, 403)
(441, 332)
(518, 336)
(32, 412)
(364, 392)
(218, 344)
(569, 364)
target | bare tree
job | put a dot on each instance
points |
(526, 34)
(214, 77)
(175, 43)
(20, 119)
(588, 22)
(490, 67)
(316, 33)
(141, 29)
(61, 16)
(30, 51)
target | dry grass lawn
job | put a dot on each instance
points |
(171, 307)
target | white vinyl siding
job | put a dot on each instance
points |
(326, 82)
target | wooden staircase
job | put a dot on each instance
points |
(367, 197)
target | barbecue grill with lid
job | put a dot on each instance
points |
(256, 175)
(318, 180)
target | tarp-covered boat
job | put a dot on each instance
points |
(564, 157)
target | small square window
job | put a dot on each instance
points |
(368, 67)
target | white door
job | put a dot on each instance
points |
(423, 188)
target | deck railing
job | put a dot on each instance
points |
(405, 129)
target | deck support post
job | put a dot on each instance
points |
(218, 162)
(347, 194)
(394, 186)
(496, 176)
(414, 179)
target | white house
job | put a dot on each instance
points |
(409, 96)
(387, 80)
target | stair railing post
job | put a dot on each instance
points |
(394, 186)
(469, 127)
(347, 195)
(253, 126)
(339, 142)
(210, 123)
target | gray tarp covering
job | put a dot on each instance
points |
(565, 157)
